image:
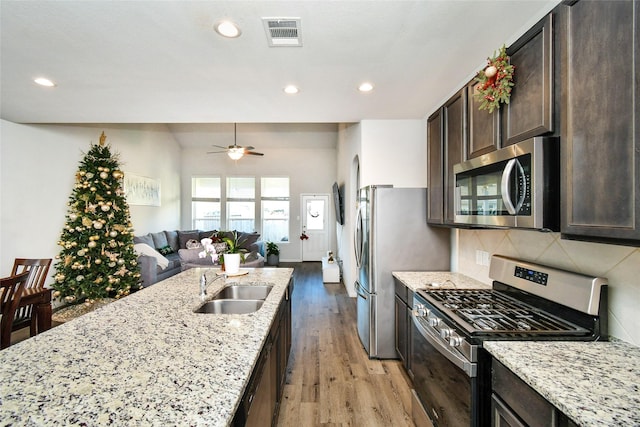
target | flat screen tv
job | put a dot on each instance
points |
(337, 202)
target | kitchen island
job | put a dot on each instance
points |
(146, 359)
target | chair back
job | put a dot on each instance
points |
(37, 269)
(10, 292)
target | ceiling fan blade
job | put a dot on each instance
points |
(216, 152)
(220, 146)
(248, 148)
(253, 153)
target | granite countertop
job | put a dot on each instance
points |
(415, 280)
(146, 359)
(593, 383)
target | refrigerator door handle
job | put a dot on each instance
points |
(358, 239)
(360, 290)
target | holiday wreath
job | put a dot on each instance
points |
(494, 82)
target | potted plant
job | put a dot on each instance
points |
(273, 254)
(234, 254)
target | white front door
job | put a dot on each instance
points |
(315, 225)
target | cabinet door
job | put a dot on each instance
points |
(530, 109)
(601, 142)
(401, 330)
(455, 119)
(435, 162)
(484, 127)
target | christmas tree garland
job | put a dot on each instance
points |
(494, 83)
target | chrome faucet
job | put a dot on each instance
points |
(203, 284)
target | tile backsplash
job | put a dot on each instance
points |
(619, 264)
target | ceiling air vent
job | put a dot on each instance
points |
(283, 32)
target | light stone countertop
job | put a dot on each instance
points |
(415, 280)
(593, 383)
(146, 359)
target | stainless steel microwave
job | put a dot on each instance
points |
(514, 187)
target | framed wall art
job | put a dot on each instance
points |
(141, 190)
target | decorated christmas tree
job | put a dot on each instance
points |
(97, 259)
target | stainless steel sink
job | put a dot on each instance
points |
(249, 292)
(230, 306)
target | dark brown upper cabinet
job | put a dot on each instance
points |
(455, 139)
(484, 127)
(435, 171)
(600, 125)
(530, 109)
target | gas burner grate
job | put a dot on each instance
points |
(490, 311)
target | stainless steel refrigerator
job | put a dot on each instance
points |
(391, 235)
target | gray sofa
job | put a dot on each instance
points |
(172, 246)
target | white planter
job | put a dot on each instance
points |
(231, 263)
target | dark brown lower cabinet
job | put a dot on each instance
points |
(403, 307)
(262, 397)
(515, 404)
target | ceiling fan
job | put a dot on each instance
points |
(236, 151)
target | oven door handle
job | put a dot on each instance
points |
(469, 368)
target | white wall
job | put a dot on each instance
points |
(310, 164)
(37, 173)
(393, 152)
(348, 158)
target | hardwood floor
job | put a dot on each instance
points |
(330, 379)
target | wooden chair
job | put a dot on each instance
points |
(10, 292)
(37, 269)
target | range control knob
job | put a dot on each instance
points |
(419, 310)
(445, 333)
(434, 321)
(455, 341)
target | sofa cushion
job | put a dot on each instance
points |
(159, 240)
(207, 234)
(192, 256)
(246, 240)
(172, 239)
(146, 239)
(174, 260)
(185, 236)
(144, 249)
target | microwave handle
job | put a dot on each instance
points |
(506, 198)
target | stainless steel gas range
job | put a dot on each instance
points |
(452, 372)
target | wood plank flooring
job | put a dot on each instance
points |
(330, 379)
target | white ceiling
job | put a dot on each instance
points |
(162, 62)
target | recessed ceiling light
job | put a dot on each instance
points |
(291, 90)
(365, 87)
(44, 82)
(227, 29)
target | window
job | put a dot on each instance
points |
(237, 211)
(275, 209)
(241, 204)
(205, 203)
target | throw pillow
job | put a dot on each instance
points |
(247, 239)
(220, 247)
(146, 239)
(185, 236)
(172, 239)
(159, 239)
(144, 249)
(193, 244)
(166, 250)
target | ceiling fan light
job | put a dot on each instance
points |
(236, 153)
